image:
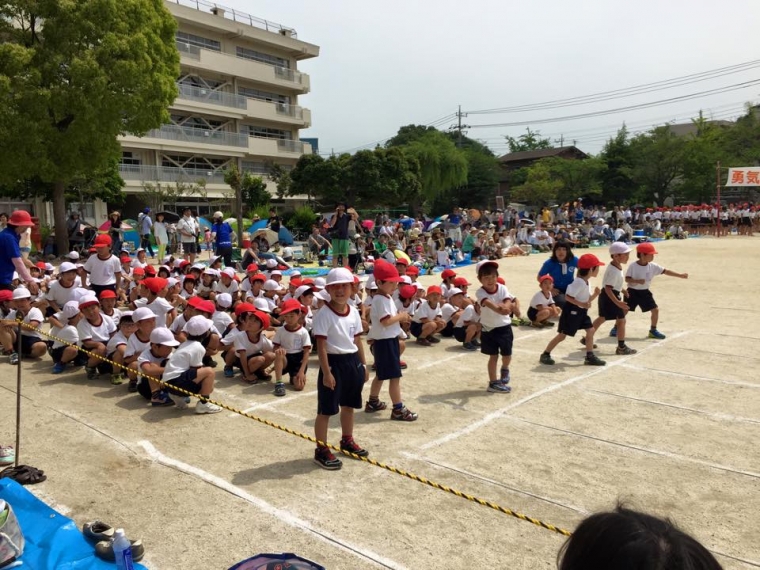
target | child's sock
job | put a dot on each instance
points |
(621, 344)
(589, 353)
(398, 406)
(547, 353)
(374, 399)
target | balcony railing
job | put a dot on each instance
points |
(205, 95)
(146, 173)
(188, 49)
(287, 74)
(235, 16)
(290, 146)
(198, 136)
(290, 110)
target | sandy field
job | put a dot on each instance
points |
(672, 430)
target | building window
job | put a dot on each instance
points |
(192, 162)
(128, 158)
(200, 82)
(255, 167)
(197, 122)
(263, 95)
(265, 132)
(199, 41)
(254, 55)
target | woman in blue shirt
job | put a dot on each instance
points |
(561, 266)
(221, 231)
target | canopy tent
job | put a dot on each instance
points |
(260, 225)
(285, 237)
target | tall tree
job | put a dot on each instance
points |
(617, 176)
(442, 165)
(97, 70)
(540, 186)
(657, 163)
(531, 140)
(580, 178)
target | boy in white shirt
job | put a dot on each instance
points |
(61, 353)
(255, 352)
(95, 330)
(32, 345)
(61, 291)
(542, 305)
(575, 312)
(117, 345)
(384, 331)
(292, 346)
(611, 305)
(151, 363)
(427, 319)
(145, 322)
(154, 289)
(639, 276)
(467, 325)
(104, 269)
(496, 337)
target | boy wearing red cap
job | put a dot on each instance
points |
(496, 325)
(255, 352)
(542, 305)
(108, 306)
(104, 269)
(292, 346)
(427, 319)
(152, 293)
(447, 280)
(578, 300)
(384, 331)
(638, 278)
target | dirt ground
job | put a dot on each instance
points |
(671, 430)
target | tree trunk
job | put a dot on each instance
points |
(239, 212)
(59, 217)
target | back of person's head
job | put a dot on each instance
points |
(629, 540)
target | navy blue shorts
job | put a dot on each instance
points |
(349, 381)
(460, 333)
(448, 330)
(415, 328)
(293, 363)
(608, 309)
(498, 340)
(387, 358)
(27, 342)
(185, 381)
(641, 298)
(573, 319)
(532, 314)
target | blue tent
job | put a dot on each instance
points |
(204, 223)
(260, 225)
(286, 238)
(406, 223)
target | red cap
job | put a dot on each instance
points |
(184, 263)
(407, 291)
(206, 307)
(589, 261)
(289, 306)
(646, 248)
(194, 302)
(448, 273)
(252, 268)
(402, 261)
(264, 318)
(433, 289)
(412, 270)
(138, 271)
(125, 259)
(308, 282)
(150, 270)
(155, 284)
(40, 265)
(384, 271)
(461, 282)
(259, 277)
(190, 277)
(356, 279)
(500, 281)
(103, 240)
(5, 295)
(21, 218)
(546, 277)
(242, 308)
(295, 282)
(107, 294)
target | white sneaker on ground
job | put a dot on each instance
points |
(182, 402)
(206, 408)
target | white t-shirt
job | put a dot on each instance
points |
(448, 311)
(232, 289)
(469, 316)
(116, 340)
(68, 333)
(135, 346)
(646, 272)
(579, 290)
(160, 307)
(292, 341)
(245, 344)
(60, 294)
(102, 272)
(339, 331)
(423, 310)
(614, 278)
(188, 355)
(488, 317)
(34, 314)
(540, 299)
(383, 308)
(178, 324)
(96, 333)
(229, 340)
(116, 317)
(221, 321)
(189, 225)
(146, 357)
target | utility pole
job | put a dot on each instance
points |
(460, 126)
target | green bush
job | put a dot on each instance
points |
(302, 219)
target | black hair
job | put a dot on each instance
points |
(126, 319)
(567, 246)
(584, 272)
(625, 539)
(488, 269)
(198, 338)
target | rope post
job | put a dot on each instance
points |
(18, 394)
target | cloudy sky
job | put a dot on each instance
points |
(396, 62)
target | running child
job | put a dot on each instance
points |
(611, 305)
(496, 325)
(292, 346)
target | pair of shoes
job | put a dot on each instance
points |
(104, 550)
(209, 361)
(229, 371)
(97, 531)
(161, 399)
(498, 387)
(182, 402)
(434, 339)
(132, 388)
(13, 358)
(469, 346)
(349, 445)
(279, 389)
(262, 375)
(537, 324)
(654, 333)
(583, 342)
(7, 455)
(117, 379)
(371, 407)
(593, 360)
(206, 408)
(613, 331)
(422, 341)
(59, 367)
(625, 350)
(92, 373)
(524, 322)
(24, 474)
(326, 460)
(476, 342)
(403, 365)
(505, 377)
(403, 415)
(546, 358)
(547, 324)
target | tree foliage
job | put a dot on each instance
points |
(531, 140)
(540, 187)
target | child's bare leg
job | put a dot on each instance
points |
(599, 321)
(255, 362)
(346, 421)
(505, 362)
(401, 346)
(69, 354)
(38, 349)
(279, 364)
(205, 378)
(542, 315)
(590, 339)
(230, 357)
(470, 333)
(7, 338)
(374, 388)
(320, 427)
(428, 329)
(493, 360)
(655, 317)
(620, 326)
(555, 341)
(394, 389)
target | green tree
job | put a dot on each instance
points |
(580, 178)
(657, 158)
(617, 176)
(409, 134)
(442, 165)
(318, 178)
(531, 140)
(701, 153)
(280, 176)
(97, 70)
(250, 191)
(540, 187)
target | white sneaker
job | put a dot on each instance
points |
(182, 402)
(206, 408)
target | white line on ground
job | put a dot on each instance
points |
(743, 560)
(280, 514)
(710, 333)
(668, 454)
(713, 415)
(692, 376)
(716, 353)
(271, 405)
(501, 412)
(442, 465)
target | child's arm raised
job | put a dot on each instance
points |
(503, 308)
(670, 273)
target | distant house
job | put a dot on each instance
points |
(516, 160)
(684, 129)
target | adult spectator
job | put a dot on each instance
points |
(116, 231)
(146, 229)
(339, 227)
(221, 232)
(318, 244)
(3, 221)
(161, 233)
(274, 221)
(10, 253)
(561, 266)
(74, 231)
(188, 229)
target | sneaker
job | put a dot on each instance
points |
(279, 389)
(326, 460)
(117, 379)
(58, 367)
(7, 455)
(434, 339)
(654, 333)
(537, 325)
(371, 407)
(546, 359)
(593, 360)
(182, 402)
(132, 388)
(229, 371)
(583, 342)
(206, 408)
(262, 375)
(208, 361)
(92, 373)
(505, 377)
(403, 365)
(498, 387)
(404, 415)
(352, 447)
(13, 358)
(547, 324)
(161, 399)
(421, 341)
(476, 342)
(469, 346)
(625, 350)
(613, 331)
(524, 322)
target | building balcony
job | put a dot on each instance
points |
(190, 139)
(197, 99)
(145, 173)
(277, 148)
(229, 64)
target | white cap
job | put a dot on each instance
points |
(262, 304)
(142, 313)
(453, 291)
(301, 290)
(164, 266)
(210, 271)
(66, 266)
(89, 299)
(166, 260)
(218, 215)
(406, 279)
(21, 293)
(171, 281)
(370, 281)
(229, 272)
(420, 286)
(177, 263)
(275, 272)
(164, 336)
(340, 275)
(224, 300)
(619, 247)
(78, 293)
(323, 295)
(295, 273)
(197, 326)
(372, 286)
(271, 263)
(49, 267)
(71, 309)
(271, 285)
(320, 282)
(198, 266)
(73, 255)
(139, 249)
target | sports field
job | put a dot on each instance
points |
(673, 430)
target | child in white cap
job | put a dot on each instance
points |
(66, 352)
(612, 305)
(151, 363)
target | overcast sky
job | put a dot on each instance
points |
(391, 63)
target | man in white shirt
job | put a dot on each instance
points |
(188, 229)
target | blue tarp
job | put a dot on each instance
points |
(52, 540)
(260, 225)
(286, 238)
